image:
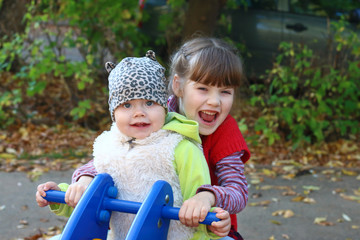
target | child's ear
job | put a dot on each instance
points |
(176, 86)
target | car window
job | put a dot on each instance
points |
(307, 7)
(269, 5)
(264, 4)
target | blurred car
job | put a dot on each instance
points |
(262, 24)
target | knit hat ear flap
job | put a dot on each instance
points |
(109, 66)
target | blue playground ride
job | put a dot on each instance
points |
(90, 219)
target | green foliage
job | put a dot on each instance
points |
(310, 100)
(43, 72)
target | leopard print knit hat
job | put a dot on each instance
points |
(136, 78)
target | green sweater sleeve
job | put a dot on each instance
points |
(193, 172)
(62, 209)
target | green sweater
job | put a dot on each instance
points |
(189, 163)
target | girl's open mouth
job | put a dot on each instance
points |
(140, 125)
(208, 116)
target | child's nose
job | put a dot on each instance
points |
(214, 99)
(139, 112)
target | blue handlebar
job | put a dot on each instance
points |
(91, 217)
(130, 207)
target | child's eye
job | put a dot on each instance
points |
(202, 88)
(227, 92)
(127, 105)
(149, 103)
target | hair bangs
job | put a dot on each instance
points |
(224, 71)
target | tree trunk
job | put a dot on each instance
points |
(11, 17)
(201, 17)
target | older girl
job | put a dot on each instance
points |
(204, 74)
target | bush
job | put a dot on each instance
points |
(308, 99)
(45, 84)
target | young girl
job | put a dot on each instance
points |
(203, 76)
(146, 144)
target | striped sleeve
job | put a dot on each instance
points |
(85, 170)
(232, 192)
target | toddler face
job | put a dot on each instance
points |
(139, 118)
(208, 105)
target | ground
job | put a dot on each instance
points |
(313, 188)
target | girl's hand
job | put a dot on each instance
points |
(195, 209)
(40, 193)
(221, 228)
(76, 190)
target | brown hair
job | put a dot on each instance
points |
(210, 61)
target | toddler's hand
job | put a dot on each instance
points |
(40, 193)
(195, 209)
(76, 190)
(221, 228)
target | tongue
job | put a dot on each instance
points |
(207, 117)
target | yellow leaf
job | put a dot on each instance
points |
(275, 222)
(289, 176)
(288, 214)
(278, 213)
(284, 213)
(349, 173)
(322, 221)
(350, 197)
(7, 156)
(297, 199)
(262, 203)
(355, 227)
(309, 200)
(269, 173)
(311, 188)
(126, 14)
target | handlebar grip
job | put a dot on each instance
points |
(173, 213)
(55, 196)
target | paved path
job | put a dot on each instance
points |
(17, 203)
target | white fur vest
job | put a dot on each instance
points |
(135, 166)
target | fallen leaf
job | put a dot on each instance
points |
(285, 236)
(262, 203)
(256, 195)
(311, 188)
(278, 213)
(283, 213)
(7, 156)
(355, 226)
(350, 197)
(275, 222)
(346, 217)
(323, 221)
(338, 190)
(349, 173)
(328, 172)
(289, 176)
(289, 193)
(288, 214)
(357, 192)
(269, 173)
(309, 200)
(298, 199)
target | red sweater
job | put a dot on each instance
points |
(226, 140)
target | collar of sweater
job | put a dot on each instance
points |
(122, 138)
